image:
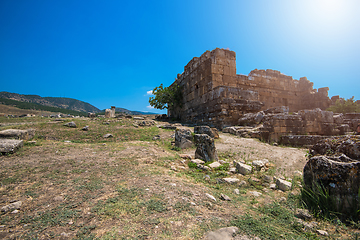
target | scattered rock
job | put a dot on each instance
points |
(282, 200)
(15, 211)
(10, 145)
(183, 138)
(70, 124)
(242, 183)
(303, 214)
(186, 156)
(205, 148)
(230, 180)
(173, 168)
(156, 137)
(210, 196)
(268, 178)
(198, 161)
(236, 191)
(202, 167)
(322, 232)
(255, 193)
(206, 130)
(106, 123)
(258, 164)
(86, 128)
(58, 198)
(283, 185)
(214, 165)
(11, 207)
(224, 197)
(244, 169)
(226, 233)
(17, 134)
(108, 135)
(272, 186)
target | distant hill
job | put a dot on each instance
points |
(123, 110)
(53, 104)
(58, 102)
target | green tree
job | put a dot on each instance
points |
(345, 106)
(166, 97)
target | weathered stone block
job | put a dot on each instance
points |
(17, 134)
(244, 169)
(10, 145)
(205, 148)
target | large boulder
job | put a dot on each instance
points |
(183, 138)
(10, 145)
(339, 176)
(205, 148)
(348, 145)
(17, 134)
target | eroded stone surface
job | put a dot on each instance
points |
(10, 145)
(205, 149)
(17, 134)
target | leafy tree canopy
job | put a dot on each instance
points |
(166, 97)
(345, 106)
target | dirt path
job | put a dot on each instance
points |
(286, 159)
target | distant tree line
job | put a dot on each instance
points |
(345, 106)
(34, 106)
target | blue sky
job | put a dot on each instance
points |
(113, 52)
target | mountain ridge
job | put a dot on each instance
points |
(62, 102)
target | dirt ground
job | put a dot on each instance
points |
(127, 188)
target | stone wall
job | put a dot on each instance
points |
(214, 94)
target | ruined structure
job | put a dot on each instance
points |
(214, 94)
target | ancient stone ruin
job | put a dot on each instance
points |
(214, 94)
(110, 113)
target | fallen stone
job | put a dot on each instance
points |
(224, 197)
(214, 165)
(86, 128)
(202, 167)
(205, 130)
(198, 161)
(210, 196)
(10, 145)
(283, 185)
(258, 164)
(183, 138)
(236, 191)
(255, 193)
(340, 179)
(303, 214)
(272, 186)
(244, 169)
(230, 180)
(242, 183)
(267, 178)
(322, 232)
(70, 124)
(108, 135)
(155, 138)
(185, 156)
(205, 149)
(17, 134)
(226, 233)
(11, 207)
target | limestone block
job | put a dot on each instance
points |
(341, 179)
(183, 138)
(283, 185)
(10, 145)
(17, 134)
(244, 169)
(205, 148)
